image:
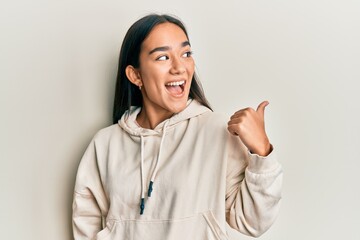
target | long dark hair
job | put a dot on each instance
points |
(126, 93)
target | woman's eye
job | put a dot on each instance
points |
(188, 54)
(162, 58)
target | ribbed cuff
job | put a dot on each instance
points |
(260, 164)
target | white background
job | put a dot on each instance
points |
(58, 63)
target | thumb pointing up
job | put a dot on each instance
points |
(249, 125)
(261, 108)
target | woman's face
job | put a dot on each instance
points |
(166, 69)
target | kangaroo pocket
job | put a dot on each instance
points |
(201, 226)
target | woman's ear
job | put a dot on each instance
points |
(133, 75)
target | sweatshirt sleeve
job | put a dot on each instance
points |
(90, 205)
(253, 189)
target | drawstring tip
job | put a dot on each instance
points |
(142, 206)
(150, 188)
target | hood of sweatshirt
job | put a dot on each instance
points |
(128, 124)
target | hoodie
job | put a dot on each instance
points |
(185, 179)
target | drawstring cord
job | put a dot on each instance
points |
(142, 203)
(150, 189)
(158, 160)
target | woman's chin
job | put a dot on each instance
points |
(178, 107)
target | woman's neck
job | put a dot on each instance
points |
(150, 118)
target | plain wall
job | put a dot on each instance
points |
(58, 62)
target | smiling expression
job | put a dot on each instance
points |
(166, 69)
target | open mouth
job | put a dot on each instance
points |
(176, 88)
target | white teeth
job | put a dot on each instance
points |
(175, 83)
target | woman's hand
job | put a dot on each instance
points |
(249, 125)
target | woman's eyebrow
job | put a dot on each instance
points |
(159, 49)
(167, 48)
(186, 43)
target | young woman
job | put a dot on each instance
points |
(169, 167)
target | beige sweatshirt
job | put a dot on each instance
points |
(202, 178)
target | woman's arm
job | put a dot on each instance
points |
(254, 177)
(89, 205)
(253, 190)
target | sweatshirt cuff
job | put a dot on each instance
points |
(263, 164)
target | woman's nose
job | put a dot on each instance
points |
(177, 66)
